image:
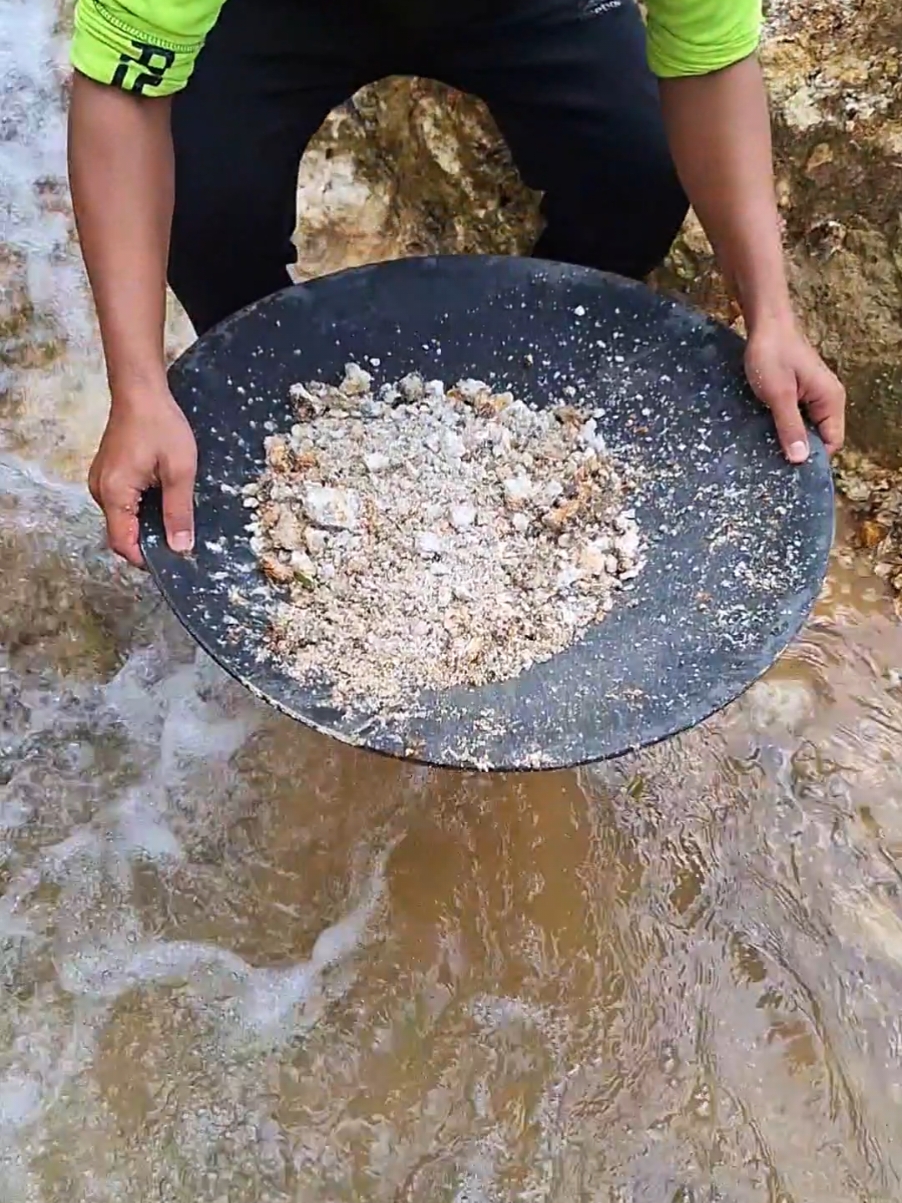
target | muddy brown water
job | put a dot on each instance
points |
(242, 964)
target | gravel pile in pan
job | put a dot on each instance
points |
(429, 537)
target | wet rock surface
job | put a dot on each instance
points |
(409, 167)
(833, 72)
(874, 494)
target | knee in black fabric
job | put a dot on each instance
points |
(230, 244)
(621, 220)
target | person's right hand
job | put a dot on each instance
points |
(147, 441)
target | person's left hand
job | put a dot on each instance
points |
(787, 374)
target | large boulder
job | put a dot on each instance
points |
(406, 167)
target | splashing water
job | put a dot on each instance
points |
(238, 963)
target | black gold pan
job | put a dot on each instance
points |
(738, 540)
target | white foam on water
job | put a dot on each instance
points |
(72, 938)
(71, 921)
(272, 1004)
(174, 707)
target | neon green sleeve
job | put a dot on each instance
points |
(143, 46)
(695, 37)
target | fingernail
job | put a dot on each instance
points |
(797, 453)
(182, 541)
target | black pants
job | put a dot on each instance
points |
(566, 81)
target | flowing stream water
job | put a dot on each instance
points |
(242, 964)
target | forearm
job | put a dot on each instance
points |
(719, 131)
(121, 176)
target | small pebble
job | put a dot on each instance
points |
(568, 576)
(338, 509)
(412, 388)
(429, 544)
(462, 516)
(592, 559)
(315, 540)
(471, 389)
(517, 489)
(357, 382)
(628, 544)
(302, 563)
(287, 533)
(377, 461)
(453, 445)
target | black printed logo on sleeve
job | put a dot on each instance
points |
(145, 70)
